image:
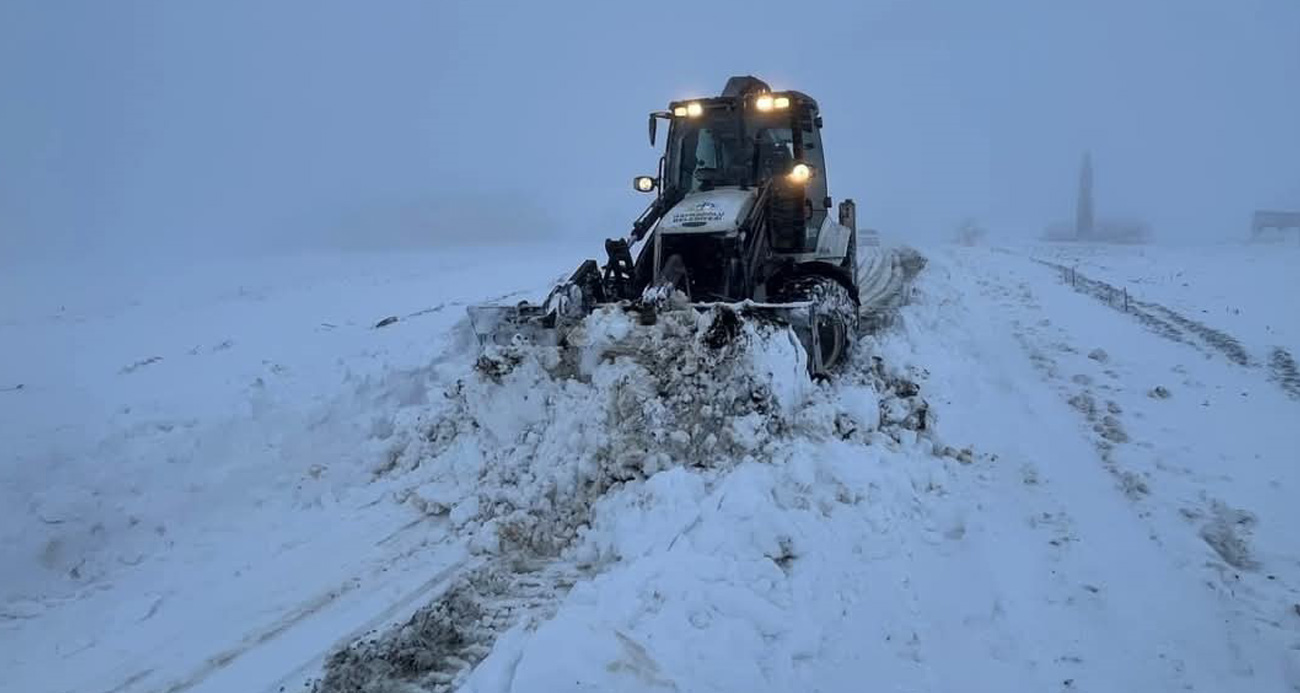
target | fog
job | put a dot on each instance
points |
(154, 128)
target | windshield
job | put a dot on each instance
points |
(715, 152)
(775, 151)
(711, 155)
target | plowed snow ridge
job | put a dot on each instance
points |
(522, 454)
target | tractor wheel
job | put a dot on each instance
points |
(834, 318)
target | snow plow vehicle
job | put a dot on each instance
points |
(741, 221)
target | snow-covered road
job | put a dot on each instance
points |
(1090, 504)
(1158, 482)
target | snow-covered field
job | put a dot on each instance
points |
(212, 481)
(1246, 291)
(187, 466)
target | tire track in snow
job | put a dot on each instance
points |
(1062, 571)
(297, 617)
(1226, 344)
(435, 584)
(1224, 529)
(1285, 372)
(1103, 418)
(444, 640)
(224, 658)
(1177, 327)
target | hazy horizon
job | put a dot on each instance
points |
(150, 127)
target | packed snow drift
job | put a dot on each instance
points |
(542, 466)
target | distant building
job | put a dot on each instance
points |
(1279, 223)
(1083, 211)
(1087, 227)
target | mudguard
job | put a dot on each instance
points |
(833, 241)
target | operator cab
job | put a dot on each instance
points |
(742, 139)
(742, 197)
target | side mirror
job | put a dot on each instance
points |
(655, 115)
(645, 184)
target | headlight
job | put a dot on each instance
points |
(694, 109)
(764, 102)
(644, 184)
(800, 173)
(781, 102)
(680, 111)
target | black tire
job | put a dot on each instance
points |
(834, 317)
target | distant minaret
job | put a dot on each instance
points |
(1083, 212)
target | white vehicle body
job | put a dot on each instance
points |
(723, 210)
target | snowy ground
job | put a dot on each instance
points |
(213, 480)
(1246, 291)
(187, 467)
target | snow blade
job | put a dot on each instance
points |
(539, 325)
(801, 317)
(505, 325)
(543, 326)
(826, 329)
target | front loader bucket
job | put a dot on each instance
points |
(544, 324)
(505, 325)
(533, 325)
(803, 320)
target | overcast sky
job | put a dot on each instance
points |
(157, 126)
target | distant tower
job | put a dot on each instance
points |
(1083, 212)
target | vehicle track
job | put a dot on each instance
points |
(1220, 340)
(294, 620)
(1175, 326)
(1285, 372)
(444, 640)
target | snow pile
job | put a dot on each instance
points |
(559, 466)
(522, 449)
(740, 581)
